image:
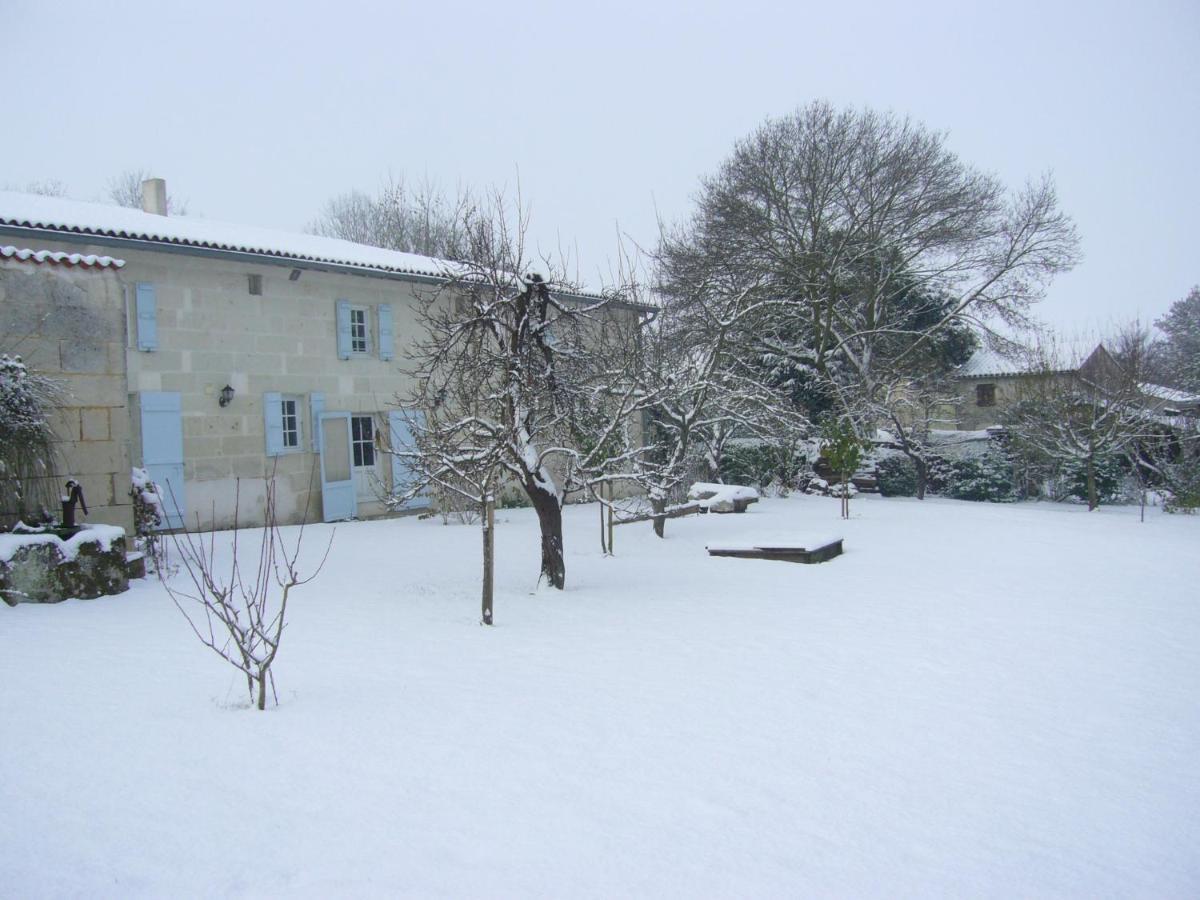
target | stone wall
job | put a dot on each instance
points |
(68, 322)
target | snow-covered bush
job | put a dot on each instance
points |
(1109, 474)
(1184, 496)
(897, 476)
(761, 464)
(987, 477)
(148, 516)
(26, 441)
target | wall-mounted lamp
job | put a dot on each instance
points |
(294, 275)
(226, 396)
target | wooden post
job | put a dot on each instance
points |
(489, 554)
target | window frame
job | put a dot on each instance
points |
(359, 445)
(298, 430)
(365, 323)
(985, 394)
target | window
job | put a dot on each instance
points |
(360, 332)
(985, 395)
(362, 440)
(290, 414)
(255, 284)
(282, 418)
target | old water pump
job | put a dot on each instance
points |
(74, 495)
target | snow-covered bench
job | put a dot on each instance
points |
(722, 498)
(806, 550)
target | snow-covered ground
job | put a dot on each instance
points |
(975, 700)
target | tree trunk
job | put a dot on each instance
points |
(489, 556)
(550, 519)
(922, 477)
(610, 518)
(659, 505)
(262, 689)
(604, 544)
(1093, 500)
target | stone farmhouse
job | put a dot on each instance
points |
(989, 384)
(215, 356)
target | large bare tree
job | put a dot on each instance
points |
(844, 217)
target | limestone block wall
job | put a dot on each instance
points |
(213, 332)
(68, 322)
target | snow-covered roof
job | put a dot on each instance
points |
(57, 256)
(77, 217)
(988, 363)
(35, 211)
(1162, 392)
(985, 362)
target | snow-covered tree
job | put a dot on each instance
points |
(872, 239)
(1079, 415)
(27, 442)
(510, 380)
(694, 395)
(911, 408)
(1181, 348)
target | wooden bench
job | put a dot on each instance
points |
(819, 553)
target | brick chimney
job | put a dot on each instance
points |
(154, 196)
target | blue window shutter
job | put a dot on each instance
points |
(273, 419)
(343, 329)
(316, 406)
(162, 451)
(387, 338)
(398, 436)
(147, 317)
(401, 438)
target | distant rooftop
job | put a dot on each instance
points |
(1171, 395)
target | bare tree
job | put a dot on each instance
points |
(695, 395)
(239, 611)
(47, 187)
(911, 409)
(126, 190)
(1084, 413)
(422, 220)
(506, 373)
(846, 219)
(1165, 453)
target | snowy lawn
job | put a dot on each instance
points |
(975, 700)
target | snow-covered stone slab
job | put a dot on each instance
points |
(722, 498)
(806, 550)
(41, 567)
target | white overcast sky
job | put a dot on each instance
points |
(610, 112)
